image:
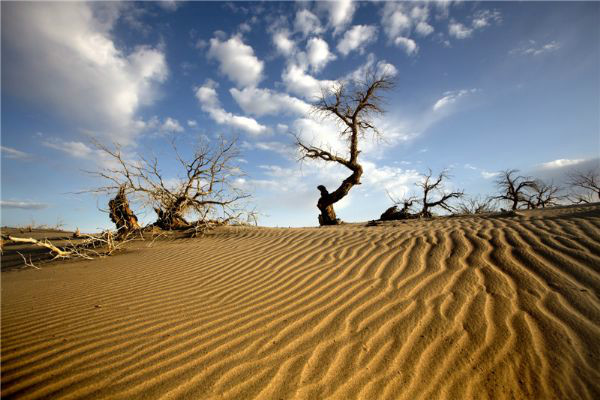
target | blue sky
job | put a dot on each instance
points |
(480, 87)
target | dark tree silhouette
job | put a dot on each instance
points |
(543, 195)
(432, 186)
(513, 189)
(395, 213)
(352, 105)
(587, 183)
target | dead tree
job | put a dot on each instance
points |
(120, 213)
(543, 195)
(587, 185)
(477, 205)
(205, 188)
(436, 186)
(513, 189)
(352, 105)
(394, 213)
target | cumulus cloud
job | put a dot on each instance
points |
(395, 20)
(380, 68)
(451, 97)
(408, 45)
(62, 55)
(236, 60)
(14, 154)
(171, 125)
(423, 28)
(458, 30)
(532, 48)
(192, 123)
(318, 54)
(283, 43)
(340, 13)
(485, 18)
(307, 23)
(356, 38)
(72, 148)
(267, 102)
(299, 82)
(25, 205)
(561, 162)
(209, 102)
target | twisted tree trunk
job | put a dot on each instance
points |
(327, 200)
(121, 214)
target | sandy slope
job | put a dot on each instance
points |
(470, 307)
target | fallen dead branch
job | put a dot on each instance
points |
(93, 246)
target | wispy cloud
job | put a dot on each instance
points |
(532, 48)
(14, 154)
(25, 205)
(561, 162)
(451, 97)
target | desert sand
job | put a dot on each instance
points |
(471, 307)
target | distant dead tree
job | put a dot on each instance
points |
(476, 205)
(587, 185)
(543, 194)
(352, 105)
(513, 188)
(395, 213)
(205, 187)
(432, 186)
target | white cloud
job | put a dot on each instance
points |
(409, 45)
(297, 81)
(72, 148)
(171, 125)
(423, 28)
(395, 20)
(25, 205)
(283, 43)
(451, 98)
(489, 175)
(356, 38)
(381, 68)
(307, 23)
(192, 123)
(485, 18)
(264, 102)
(340, 13)
(236, 60)
(561, 162)
(64, 57)
(318, 54)
(209, 102)
(14, 154)
(534, 49)
(283, 149)
(459, 31)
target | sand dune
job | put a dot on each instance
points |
(455, 308)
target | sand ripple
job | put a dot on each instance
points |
(469, 307)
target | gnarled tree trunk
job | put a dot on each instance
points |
(172, 218)
(327, 200)
(121, 214)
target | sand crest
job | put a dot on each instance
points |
(454, 308)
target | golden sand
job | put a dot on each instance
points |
(453, 308)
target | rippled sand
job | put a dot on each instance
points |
(456, 308)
